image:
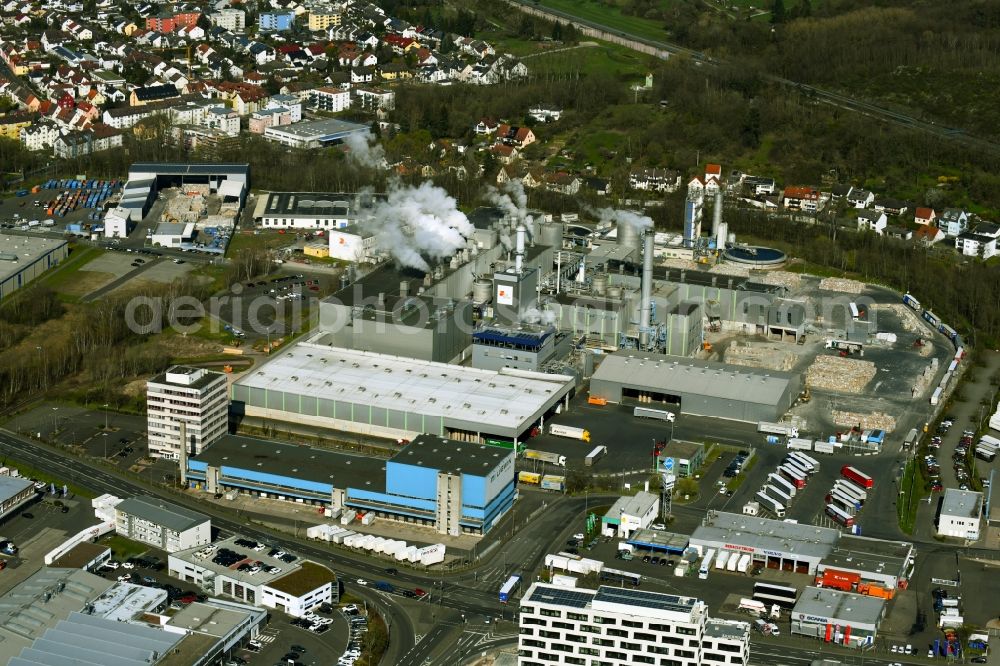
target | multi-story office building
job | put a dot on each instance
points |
(191, 396)
(162, 524)
(613, 626)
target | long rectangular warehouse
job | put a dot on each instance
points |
(703, 388)
(394, 396)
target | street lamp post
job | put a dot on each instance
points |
(106, 416)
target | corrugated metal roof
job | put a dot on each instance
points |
(678, 376)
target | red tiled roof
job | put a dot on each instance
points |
(713, 169)
(795, 192)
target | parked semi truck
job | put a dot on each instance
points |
(786, 429)
(545, 456)
(569, 431)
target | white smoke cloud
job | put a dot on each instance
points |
(514, 202)
(535, 316)
(637, 221)
(365, 150)
(413, 224)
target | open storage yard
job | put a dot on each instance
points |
(834, 373)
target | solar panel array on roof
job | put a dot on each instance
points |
(561, 596)
(520, 338)
(631, 597)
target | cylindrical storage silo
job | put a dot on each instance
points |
(600, 284)
(614, 292)
(482, 291)
(628, 236)
(551, 234)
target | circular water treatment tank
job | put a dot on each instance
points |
(756, 255)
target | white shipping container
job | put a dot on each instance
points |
(348, 517)
(744, 564)
(822, 446)
(368, 519)
(341, 537)
(317, 532)
(557, 561)
(408, 554)
(433, 554)
(800, 443)
(936, 396)
(734, 560)
(680, 570)
(722, 559)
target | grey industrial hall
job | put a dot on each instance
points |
(696, 387)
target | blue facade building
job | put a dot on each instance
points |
(275, 21)
(456, 487)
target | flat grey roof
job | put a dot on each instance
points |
(262, 577)
(634, 505)
(162, 513)
(678, 376)
(19, 252)
(500, 400)
(207, 378)
(614, 600)
(327, 129)
(765, 534)
(865, 554)
(452, 455)
(715, 628)
(312, 204)
(11, 486)
(291, 461)
(962, 503)
(836, 605)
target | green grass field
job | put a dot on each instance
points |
(122, 548)
(66, 272)
(610, 17)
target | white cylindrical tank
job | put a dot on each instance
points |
(482, 291)
(732, 238)
(600, 284)
(614, 292)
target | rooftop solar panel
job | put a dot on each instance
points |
(561, 597)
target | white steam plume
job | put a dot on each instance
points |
(365, 150)
(635, 220)
(514, 202)
(415, 223)
(535, 316)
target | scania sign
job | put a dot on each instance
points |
(813, 618)
(745, 549)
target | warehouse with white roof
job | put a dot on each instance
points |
(697, 387)
(397, 397)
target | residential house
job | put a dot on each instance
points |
(976, 245)
(545, 114)
(696, 187)
(533, 178)
(953, 222)
(712, 186)
(802, 198)
(486, 126)
(924, 215)
(654, 180)
(602, 186)
(86, 142)
(332, 100)
(562, 182)
(899, 233)
(515, 136)
(870, 220)
(713, 171)
(928, 234)
(891, 206)
(224, 120)
(505, 153)
(759, 185)
(362, 75)
(839, 192)
(395, 71)
(860, 198)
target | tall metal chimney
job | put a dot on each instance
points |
(646, 290)
(717, 213)
(519, 249)
(581, 275)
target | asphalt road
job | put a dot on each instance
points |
(819, 94)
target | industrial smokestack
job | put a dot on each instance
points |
(519, 249)
(646, 293)
(404, 288)
(581, 275)
(717, 213)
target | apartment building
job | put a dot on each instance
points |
(193, 396)
(613, 626)
(330, 99)
(230, 18)
(162, 524)
(323, 19)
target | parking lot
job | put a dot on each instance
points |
(273, 306)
